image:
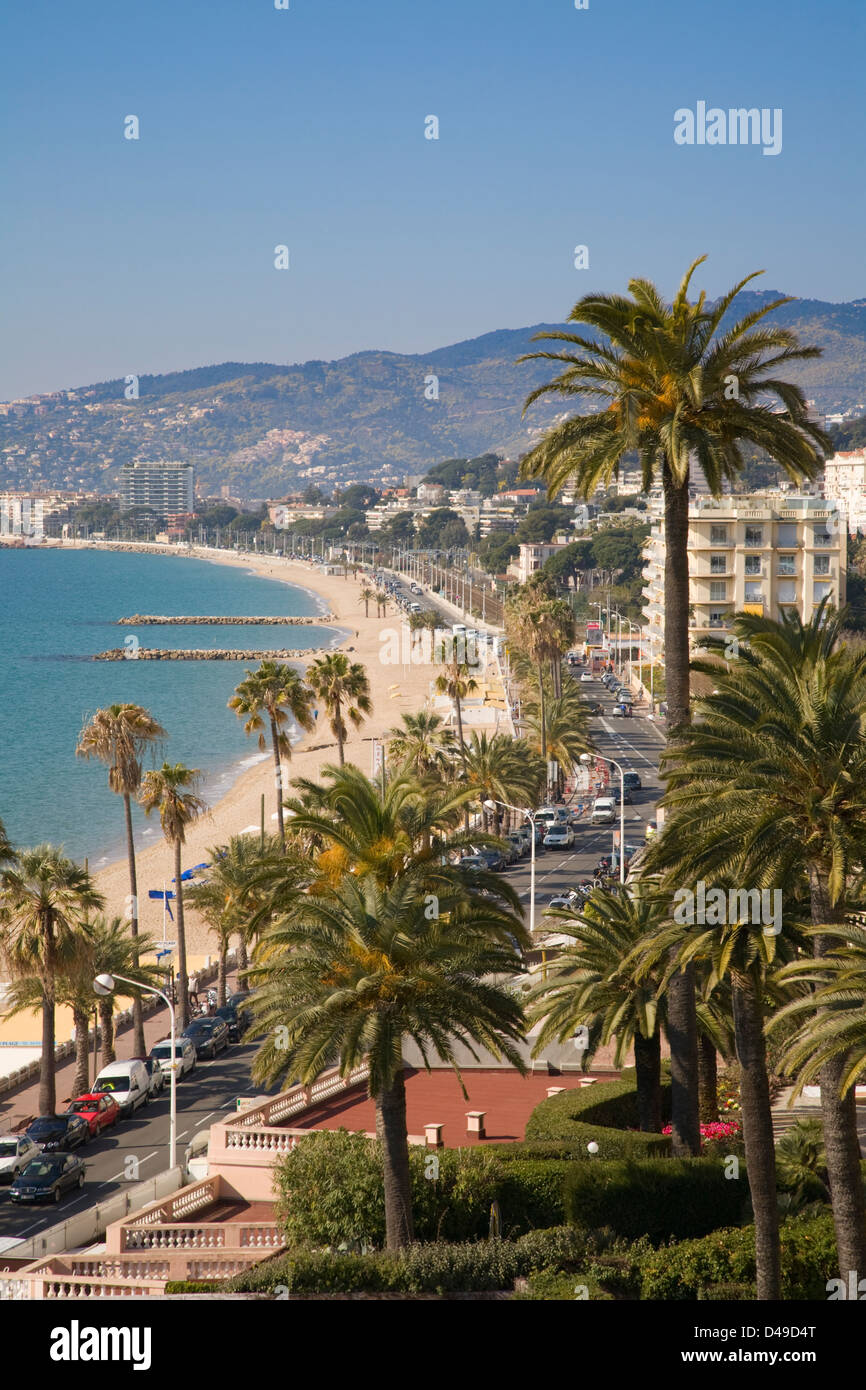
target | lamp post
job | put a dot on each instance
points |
(491, 805)
(104, 985)
(587, 758)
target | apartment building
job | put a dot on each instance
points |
(845, 484)
(530, 559)
(751, 554)
(166, 488)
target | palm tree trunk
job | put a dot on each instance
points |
(47, 1088)
(676, 600)
(682, 1030)
(243, 959)
(337, 726)
(182, 976)
(222, 971)
(542, 713)
(839, 1120)
(81, 1079)
(278, 779)
(758, 1134)
(708, 1080)
(138, 1047)
(648, 1074)
(106, 1029)
(391, 1133)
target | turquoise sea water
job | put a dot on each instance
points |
(58, 608)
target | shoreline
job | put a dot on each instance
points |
(238, 808)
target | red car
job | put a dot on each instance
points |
(100, 1111)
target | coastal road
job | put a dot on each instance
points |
(138, 1148)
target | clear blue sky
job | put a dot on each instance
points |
(306, 127)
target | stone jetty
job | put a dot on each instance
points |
(164, 620)
(204, 654)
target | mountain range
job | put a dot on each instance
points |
(260, 427)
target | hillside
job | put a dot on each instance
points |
(260, 427)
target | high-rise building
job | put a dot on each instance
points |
(166, 488)
(751, 554)
(845, 484)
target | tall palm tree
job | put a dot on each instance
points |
(168, 790)
(272, 697)
(118, 736)
(771, 786)
(365, 596)
(230, 898)
(43, 898)
(381, 603)
(503, 769)
(352, 975)
(345, 689)
(564, 732)
(112, 953)
(595, 982)
(457, 684)
(674, 384)
(422, 745)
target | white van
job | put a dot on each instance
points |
(128, 1082)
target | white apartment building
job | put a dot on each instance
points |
(845, 485)
(751, 554)
(530, 559)
(166, 488)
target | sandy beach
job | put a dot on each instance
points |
(394, 690)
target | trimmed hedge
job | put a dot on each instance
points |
(578, 1114)
(662, 1199)
(472, 1267)
(698, 1268)
(531, 1194)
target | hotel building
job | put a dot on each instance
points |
(166, 488)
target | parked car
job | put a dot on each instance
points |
(209, 1036)
(99, 1110)
(16, 1151)
(471, 861)
(564, 900)
(525, 833)
(510, 852)
(128, 1082)
(493, 858)
(626, 796)
(53, 1132)
(184, 1052)
(559, 837)
(622, 709)
(46, 1178)
(237, 1023)
(632, 781)
(155, 1074)
(585, 678)
(520, 843)
(603, 811)
(239, 999)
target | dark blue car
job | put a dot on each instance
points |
(46, 1178)
(59, 1132)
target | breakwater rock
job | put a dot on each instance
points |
(138, 653)
(162, 620)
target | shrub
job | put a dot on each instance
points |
(548, 1285)
(607, 1104)
(728, 1257)
(661, 1199)
(530, 1194)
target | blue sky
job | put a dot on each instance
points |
(305, 127)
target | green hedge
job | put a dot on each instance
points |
(471, 1267)
(609, 1105)
(531, 1194)
(662, 1199)
(695, 1268)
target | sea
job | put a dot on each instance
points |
(58, 608)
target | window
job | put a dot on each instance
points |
(822, 591)
(718, 535)
(753, 564)
(786, 564)
(786, 533)
(718, 589)
(717, 617)
(822, 564)
(787, 591)
(822, 537)
(754, 535)
(718, 564)
(754, 593)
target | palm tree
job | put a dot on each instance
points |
(229, 899)
(422, 746)
(771, 786)
(352, 975)
(345, 690)
(43, 897)
(457, 683)
(381, 603)
(118, 735)
(564, 732)
(274, 693)
(594, 982)
(112, 953)
(503, 769)
(6, 850)
(365, 596)
(674, 384)
(164, 790)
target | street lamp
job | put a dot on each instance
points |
(587, 758)
(104, 985)
(491, 805)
